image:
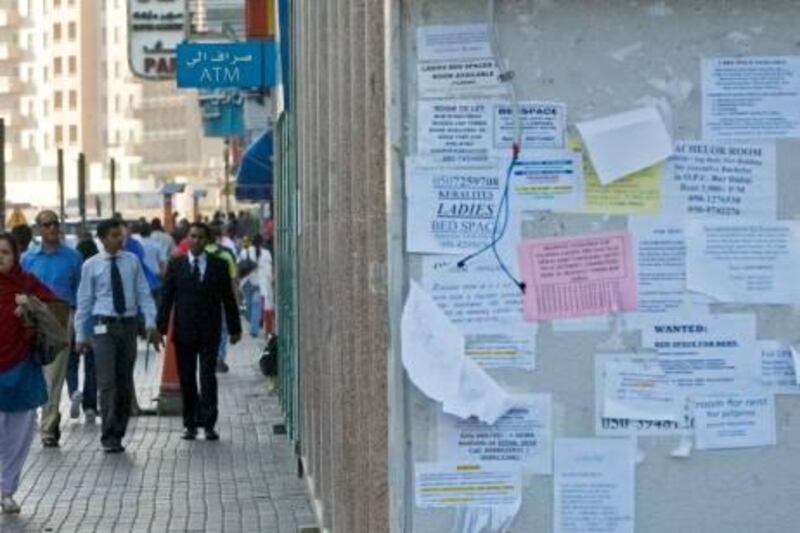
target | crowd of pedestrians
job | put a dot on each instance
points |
(128, 281)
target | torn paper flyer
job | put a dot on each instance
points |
(433, 356)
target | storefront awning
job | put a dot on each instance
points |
(254, 179)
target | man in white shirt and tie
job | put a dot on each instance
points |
(112, 292)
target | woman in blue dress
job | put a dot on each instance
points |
(22, 385)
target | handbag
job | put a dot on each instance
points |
(50, 336)
(268, 362)
(246, 267)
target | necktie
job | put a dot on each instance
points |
(117, 290)
(196, 270)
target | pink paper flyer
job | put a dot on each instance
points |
(578, 276)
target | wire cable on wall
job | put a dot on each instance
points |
(503, 210)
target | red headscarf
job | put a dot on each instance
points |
(15, 338)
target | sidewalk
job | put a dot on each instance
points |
(246, 482)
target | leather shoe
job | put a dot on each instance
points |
(114, 448)
(211, 434)
(189, 434)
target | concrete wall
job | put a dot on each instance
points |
(343, 325)
(562, 51)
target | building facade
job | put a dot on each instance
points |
(69, 85)
(349, 258)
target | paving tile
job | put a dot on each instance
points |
(245, 482)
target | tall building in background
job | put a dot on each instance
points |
(16, 85)
(122, 129)
(60, 67)
(65, 82)
(173, 143)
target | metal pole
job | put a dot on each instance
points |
(2, 174)
(82, 190)
(169, 225)
(62, 208)
(227, 184)
(113, 186)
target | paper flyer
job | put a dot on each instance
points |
(578, 276)
(522, 436)
(594, 482)
(744, 261)
(751, 97)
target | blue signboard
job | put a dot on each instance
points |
(248, 64)
(222, 113)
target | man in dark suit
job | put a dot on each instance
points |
(198, 286)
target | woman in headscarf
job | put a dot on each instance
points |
(22, 385)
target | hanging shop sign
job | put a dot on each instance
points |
(248, 64)
(222, 113)
(155, 28)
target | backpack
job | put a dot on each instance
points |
(220, 252)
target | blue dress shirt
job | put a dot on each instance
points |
(59, 270)
(95, 295)
(135, 247)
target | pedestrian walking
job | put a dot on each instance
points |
(22, 385)
(85, 398)
(58, 267)
(218, 250)
(163, 238)
(267, 285)
(154, 257)
(23, 234)
(250, 282)
(198, 287)
(255, 272)
(132, 245)
(113, 290)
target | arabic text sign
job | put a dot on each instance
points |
(154, 31)
(221, 65)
